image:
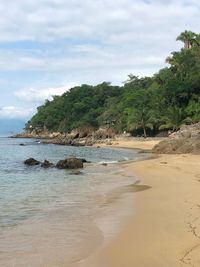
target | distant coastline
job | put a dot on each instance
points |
(11, 126)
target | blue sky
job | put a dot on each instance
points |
(48, 46)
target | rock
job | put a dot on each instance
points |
(109, 143)
(74, 134)
(104, 133)
(104, 164)
(186, 140)
(22, 144)
(85, 131)
(46, 164)
(31, 162)
(70, 163)
(84, 160)
(55, 135)
(89, 142)
(77, 143)
(76, 173)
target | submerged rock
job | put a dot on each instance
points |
(76, 173)
(70, 163)
(46, 164)
(31, 162)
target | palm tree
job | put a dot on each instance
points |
(177, 63)
(197, 40)
(174, 60)
(188, 38)
(141, 118)
(174, 118)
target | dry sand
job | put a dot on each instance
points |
(165, 229)
(144, 144)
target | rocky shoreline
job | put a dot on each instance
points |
(186, 140)
(75, 138)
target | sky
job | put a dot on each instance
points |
(49, 46)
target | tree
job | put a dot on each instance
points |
(173, 119)
(148, 104)
(193, 110)
(188, 38)
(140, 119)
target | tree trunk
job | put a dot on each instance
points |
(187, 45)
(144, 129)
(145, 133)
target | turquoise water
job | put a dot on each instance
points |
(38, 205)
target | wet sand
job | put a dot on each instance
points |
(165, 227)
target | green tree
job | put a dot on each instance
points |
(188, 38)
(148, 104)
(174, 118)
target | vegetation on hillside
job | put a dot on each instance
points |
(142, 106)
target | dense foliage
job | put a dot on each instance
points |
(142, 105)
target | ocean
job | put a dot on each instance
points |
(51, 217)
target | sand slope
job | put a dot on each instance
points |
(165, 230)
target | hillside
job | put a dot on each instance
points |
(141, 106)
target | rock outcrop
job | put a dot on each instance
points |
(84, 136)
(186, 140)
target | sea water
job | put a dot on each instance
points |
(48, 217)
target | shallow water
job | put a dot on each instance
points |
(47, 215)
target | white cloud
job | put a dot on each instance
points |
(104, 34)
(87, 41)
(39, 95)
(52, 20)
(12, 112)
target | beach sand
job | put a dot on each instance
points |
(135, 143)
(164, 230)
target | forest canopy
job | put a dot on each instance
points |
(144, 106)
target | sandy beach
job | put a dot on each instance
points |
(165, 227)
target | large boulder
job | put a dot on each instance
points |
(86, 131)
(31, 162)
(186, 140)
(104, 133)
(70, 163)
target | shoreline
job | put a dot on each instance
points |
(164, 231)
(107, 184)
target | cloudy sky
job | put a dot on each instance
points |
(48, 46)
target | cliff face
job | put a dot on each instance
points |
(186, 140)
